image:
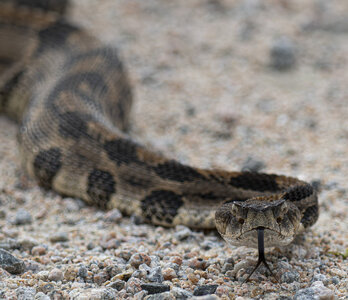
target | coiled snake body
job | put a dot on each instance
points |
(71, 96)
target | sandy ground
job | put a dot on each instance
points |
(208, 93)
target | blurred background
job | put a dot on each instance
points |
(235, 81)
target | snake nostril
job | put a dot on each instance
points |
(279, 220)
(241, 221)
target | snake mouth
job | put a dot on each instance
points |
(268, 231)
(272, 238)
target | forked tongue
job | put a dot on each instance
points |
(261, 248)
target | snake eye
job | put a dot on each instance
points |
(279, 220)
(241, 221)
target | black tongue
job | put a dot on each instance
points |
(261, 248)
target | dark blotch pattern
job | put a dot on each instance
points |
(46, 165)
(298, 193)
(121, 151)
(46, 5)
(73, 124)
(175, 171)
(101, 185)
(255, 181)
(310, 216)
(54, 35)
(161, 206)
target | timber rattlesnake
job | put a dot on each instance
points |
(71, 96)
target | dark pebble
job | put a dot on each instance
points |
(82, 272)
(283, 56)
(205, 290)
(22, 217)
(316, 184)
(10, 263)
(252, 165)
(117, 284)
(59, 237)
(90, 246)
(2, 214)
(155, 288)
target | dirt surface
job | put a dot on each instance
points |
(223, 84)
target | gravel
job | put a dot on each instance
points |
(205, 94)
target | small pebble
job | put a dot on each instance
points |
(193, 278)
(197, 263)
(59, 237)
(38, 250)
(228, 265)
(320, 277)
(338, 272)
(9, 244)
(28, 243)
(117, 284)
(335, 280)
(169, 274)
(41, 296)
(155, 288)
(182, 233)
(71, 205)
(290, 276)
(70, 273)
(207, 245)
(43, 275)
(113, 216)
(180, 293)
(253, 165)
(22, 217)
(316, 291)
(139, 258)
(2, 214)
(10, 263)
(205, 290)
(94, 294)
(55, 275)
(82, 272)
(206, 297)
(155, 275)
(25, 293)
(133, 285)
(100, 277)
(283, 54)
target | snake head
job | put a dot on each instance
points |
(238, 221)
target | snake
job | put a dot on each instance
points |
(72, 98)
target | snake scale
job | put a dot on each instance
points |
(72, 99)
